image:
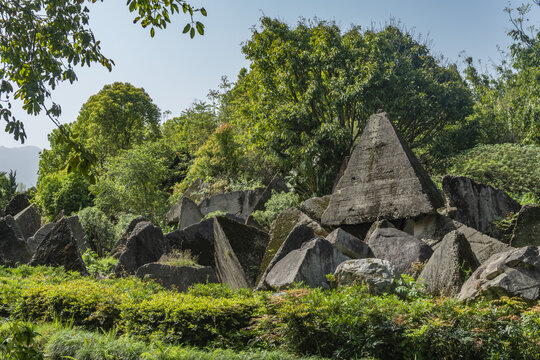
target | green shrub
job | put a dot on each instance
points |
(98, 229)
(68, 192)
(275, 206)
(509, 167)
(19, 341)
(97, 266)
(122, 224)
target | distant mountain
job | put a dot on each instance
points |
(24, 160)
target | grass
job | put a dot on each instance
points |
(179, 258)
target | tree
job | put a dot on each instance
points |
(116, 118)
(310, 90)
(42, 41)
(8, 186)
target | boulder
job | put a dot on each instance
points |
(349, 245)
(238, 252)
(179, 278)
(184, 213)
(433, 228)
(449, 266)
(239, 203)
(527, 227)
(198, 239)
(59, 248)
(78, 233)
(13, 249)
(13, 224)
(309, 264)
(379, 224)
(145, 244)
(34, 241)
(377, 274)
(477, 205)
(315, 207)
(515, 272)
(383, 179)
(120, 245)
(400, 248)
(276, 186)
(282, 227)
(16, 205)
(298, 235)
(28, 221)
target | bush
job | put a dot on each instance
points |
(275, 206)
(57, 192)
(18, 340)
(99, 267)
(99, 231)
(509, 167)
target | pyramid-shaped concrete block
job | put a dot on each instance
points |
(383, 179)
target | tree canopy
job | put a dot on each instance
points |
(42, 41)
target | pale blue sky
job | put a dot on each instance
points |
(176, 70)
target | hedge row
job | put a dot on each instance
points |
(343, 323)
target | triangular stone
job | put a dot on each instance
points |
(383, 179)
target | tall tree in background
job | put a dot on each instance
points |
(310, 89)
(8, 186)
(42, 41)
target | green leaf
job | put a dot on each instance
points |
(200, 28)
(203, 12)
(152, 32)
(186, 28)
(192, 33)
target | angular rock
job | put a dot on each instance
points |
(377, 274)
(315, 207)
(59, 248)
(349, 245)
(282, 227)
(78, 233)
(34, 241)
(238, 250)
(120, 245)
(298, 235)
(383, 179)
(179, 278)
(239, 203)
(527, 228)
(400, 248)
(433, 228)
(13, 224)
(379, 224)
(515, 272)
(184, 213)
(17, 204)
(198, 239)
(449, 266)
(145, 244)
(13, 249)
(310, 264)
(28, 221)
(477, 205)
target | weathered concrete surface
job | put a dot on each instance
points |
(447, 269)
(282, 227)
(477, 205)
(377, 274)
(315, 207)
(28, 221)
(184, 213)
(34, 241)
(383, 179)
(349, 245)
(13, 249)
(16, 205)
(515, 272)
(239, 203)
(15, 226)
(400, 248)
(310, 264)
(59, 248)
(380, 224)
(527, 227)
(120, 245)
(78, 233)
(433, 228)
(179, 278)
(239, 250)
(145, 244)
(298, 235)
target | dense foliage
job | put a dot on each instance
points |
(342, 323)
(8, 187)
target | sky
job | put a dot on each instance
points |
(176, 70)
